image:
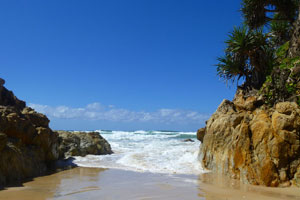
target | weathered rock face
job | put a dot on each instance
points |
(29, 148)
(253, 143)
(82, 143)
(27, 144)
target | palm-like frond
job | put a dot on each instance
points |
(254, 12)
(228, 68)
(248, 52)
(258, 13)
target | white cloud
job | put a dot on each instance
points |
(97, 111)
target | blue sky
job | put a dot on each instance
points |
(117, 64)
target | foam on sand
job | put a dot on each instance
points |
(148, 151)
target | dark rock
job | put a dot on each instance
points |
(82, 144)
(36, 118)
(201, 134)
(188, 140)
(29, 148)
(64, 164)
(2, 82)
(7, 98)
(27, 144)
(3, 141)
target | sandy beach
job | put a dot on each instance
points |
(150, 100)
(111, 184)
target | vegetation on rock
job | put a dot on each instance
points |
(260, 51)
(258, 13)
(248, 55)
(283, 83)
(256, 137)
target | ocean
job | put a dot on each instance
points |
(163, 152)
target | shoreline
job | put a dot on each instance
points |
(92, 183)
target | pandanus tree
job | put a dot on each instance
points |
(249, 52)
(248, 55)
(280, 31)
(258, 13)
(277, 15)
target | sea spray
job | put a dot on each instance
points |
(148, 151)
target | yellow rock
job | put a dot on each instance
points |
(254, 144)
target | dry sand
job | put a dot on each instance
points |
(110, 184)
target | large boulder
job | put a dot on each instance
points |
(28, 147)
(254, 143)
(82, 144)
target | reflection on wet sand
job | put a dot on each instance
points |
(55, 185)
(110, 184)
(78, 180)
(223, 188)
(93, 183)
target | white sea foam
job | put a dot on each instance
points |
(148, 151)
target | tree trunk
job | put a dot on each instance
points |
(257, 79)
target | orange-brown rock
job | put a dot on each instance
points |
(253, 143)
(200, 134)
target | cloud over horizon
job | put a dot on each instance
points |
(97, 111)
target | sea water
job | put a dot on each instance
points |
(148, 151)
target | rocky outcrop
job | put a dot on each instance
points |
(82, 143)
(7, 98)
(251, 142)
(28, 146)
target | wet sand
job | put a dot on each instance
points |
(111, 184)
